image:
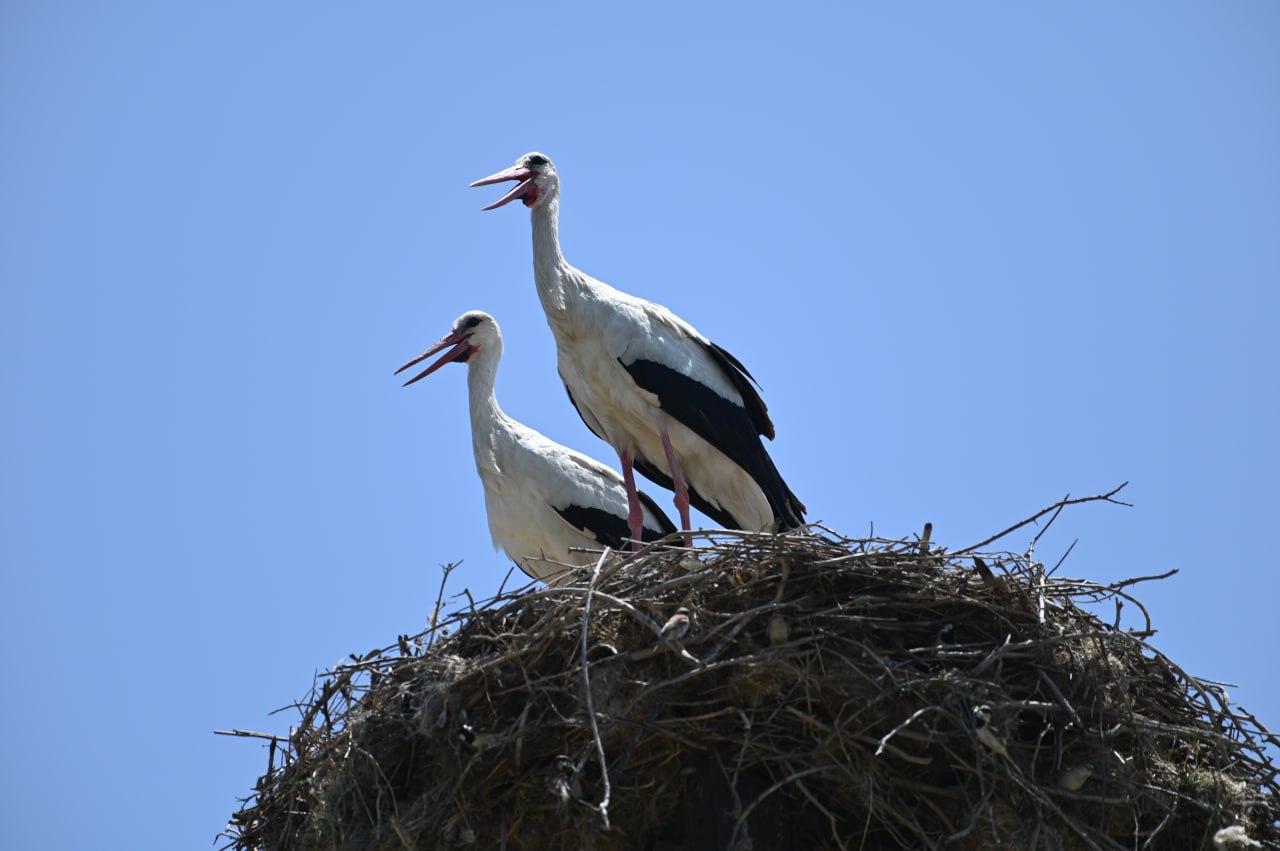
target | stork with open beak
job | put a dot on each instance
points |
(543, 499)
(672, 404)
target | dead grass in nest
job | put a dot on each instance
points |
(917, 699)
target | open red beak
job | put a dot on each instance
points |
(460, 352)
(523, 188)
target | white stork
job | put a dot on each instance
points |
(678, 407)
(542, 498)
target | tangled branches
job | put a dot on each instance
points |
(830, 693)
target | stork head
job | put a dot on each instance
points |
(472, 332)
(536, 178)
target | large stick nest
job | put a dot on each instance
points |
(831, 693)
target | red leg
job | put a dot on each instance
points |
(635, 513)
(682, 492)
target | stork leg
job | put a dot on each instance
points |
(682, 492)
(635, 513)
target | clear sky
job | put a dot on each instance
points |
(978, 255)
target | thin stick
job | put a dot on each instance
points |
(1064, 558)
(889, 735)
(586, 689)
(251, 735)
(767, 792)
(435, 613)
(1106, 497)
(1125, 583)
(1045, 527)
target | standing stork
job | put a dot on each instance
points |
(674, 405)
(542, 498)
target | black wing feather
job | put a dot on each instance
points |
(610, 529)
(746, 384)
(732, 429)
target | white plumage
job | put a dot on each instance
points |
(542, 498)
(680, 408)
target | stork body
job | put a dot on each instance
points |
(677, 407)
(542, 498)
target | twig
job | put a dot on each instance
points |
(742, 818)
(250, 735)
(889, 735)
(1057, 506)
(435, 612)
(1125, 583)
(1057, 693)
(1045, 528)
(782, 582)
(1058, 564)
(603, 806)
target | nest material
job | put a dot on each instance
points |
(831, 693)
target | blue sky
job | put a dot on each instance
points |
(978, 255)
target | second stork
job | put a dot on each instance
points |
(545, 501)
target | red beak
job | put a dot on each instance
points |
(461, 351)
(524, 175)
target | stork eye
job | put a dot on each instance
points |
(472, 322)
(538, 159)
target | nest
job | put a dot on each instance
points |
(830, 693)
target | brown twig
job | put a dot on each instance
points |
(603, 806)
(1057, 506)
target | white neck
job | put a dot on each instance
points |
(486, 417)
(546, 232)
(558, 282)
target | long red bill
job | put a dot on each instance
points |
(460, 348)
(524, 175)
